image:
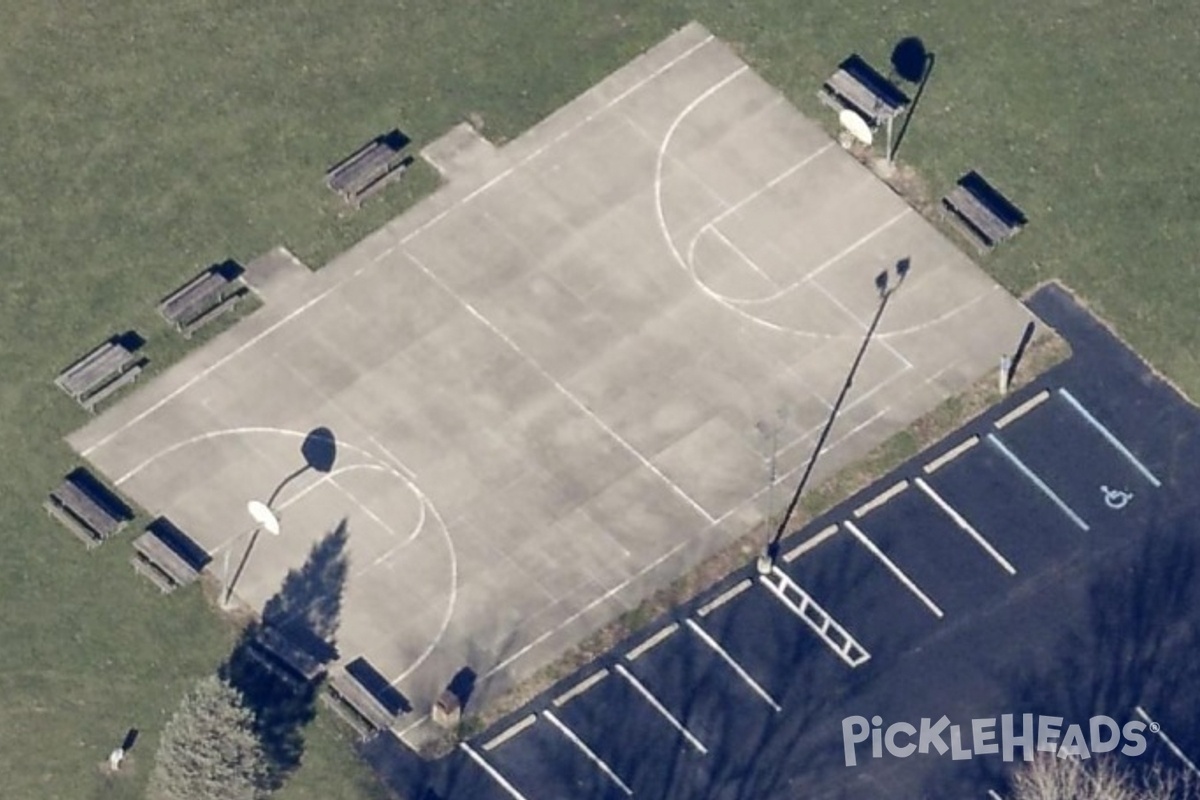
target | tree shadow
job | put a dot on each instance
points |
(281, 685)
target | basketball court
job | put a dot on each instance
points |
(554, 385)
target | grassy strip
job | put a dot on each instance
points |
(1043, 354)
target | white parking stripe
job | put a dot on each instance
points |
(490, 770)
(961, 521)
(880, 499)
(887, 562)
(580, 687)
(652, 641)
(509, 732)
(1141, 712)
(808, 544)
(1038, 482)
(1112, 439)
(660, 708)
(1023, 409)
(950, 455)
(587, 751)
(724, 598)
(745, 676)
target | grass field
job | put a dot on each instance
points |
(143, 141)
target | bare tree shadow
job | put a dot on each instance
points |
(280, 688)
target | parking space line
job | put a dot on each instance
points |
(1110, 436)
(653, 640)
(808, 544)
(880, 499)
(961, 522)
(492, 771)
(1038, 482)
(1023, 409)
(723, 598)
(509, 732)
(745, 676)
(817, 618)
(587, 751)
(1141, 712)
(994, 795)
(580, 688)
(950, 455)
(660, 708)
(891, 565)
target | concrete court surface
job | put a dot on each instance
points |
(1059, 584)
(553, 383)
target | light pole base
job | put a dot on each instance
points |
(765, 564)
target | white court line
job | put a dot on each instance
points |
(654, 640)
(809, 544)
(199, 376)
(771, 184)
(400, 465)
(490, 770)
(587, 751)
(543, 148)
(375, 517)
(563, 390)
(1038, 482)
(895, 570)
(660, 708)
(404, 240)
(961, 521)
(738, 252)
(745, 676)
(602, 598)
(1141, 712)
(1112, 439)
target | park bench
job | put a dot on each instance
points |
(368, 169)
(87, 508)
(100, 373)
(280, 656)
(981, 213)
(363, 698)
(204, 298)
(857, 86)
(167, 556)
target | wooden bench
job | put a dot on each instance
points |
(100, 373)
(857, 86)
(981, 213)
(368, 169)
(167, 556)
(203, 299)
(87, 508)
(281, 657)
(353, 693)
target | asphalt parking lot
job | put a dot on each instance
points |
(1041, 560)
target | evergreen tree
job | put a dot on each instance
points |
(209, 750)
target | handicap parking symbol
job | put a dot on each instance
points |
(1116, 499)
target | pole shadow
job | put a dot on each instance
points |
(319, 450)
(913, 63)
(886, 290)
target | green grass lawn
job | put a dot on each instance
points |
(143, 141)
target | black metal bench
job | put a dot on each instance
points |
(280, 656)
(857, 86)
(87, 508)
(981, 213)
(100, 373)
(368, 169)
(167, 556)
(364, 698)
(204, 298)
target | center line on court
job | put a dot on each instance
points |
(1038, 482)
(891, 565)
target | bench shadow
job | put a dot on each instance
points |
(306, 611)
(379, 687)
(182, 544)
(99, 492)
(997, 203)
